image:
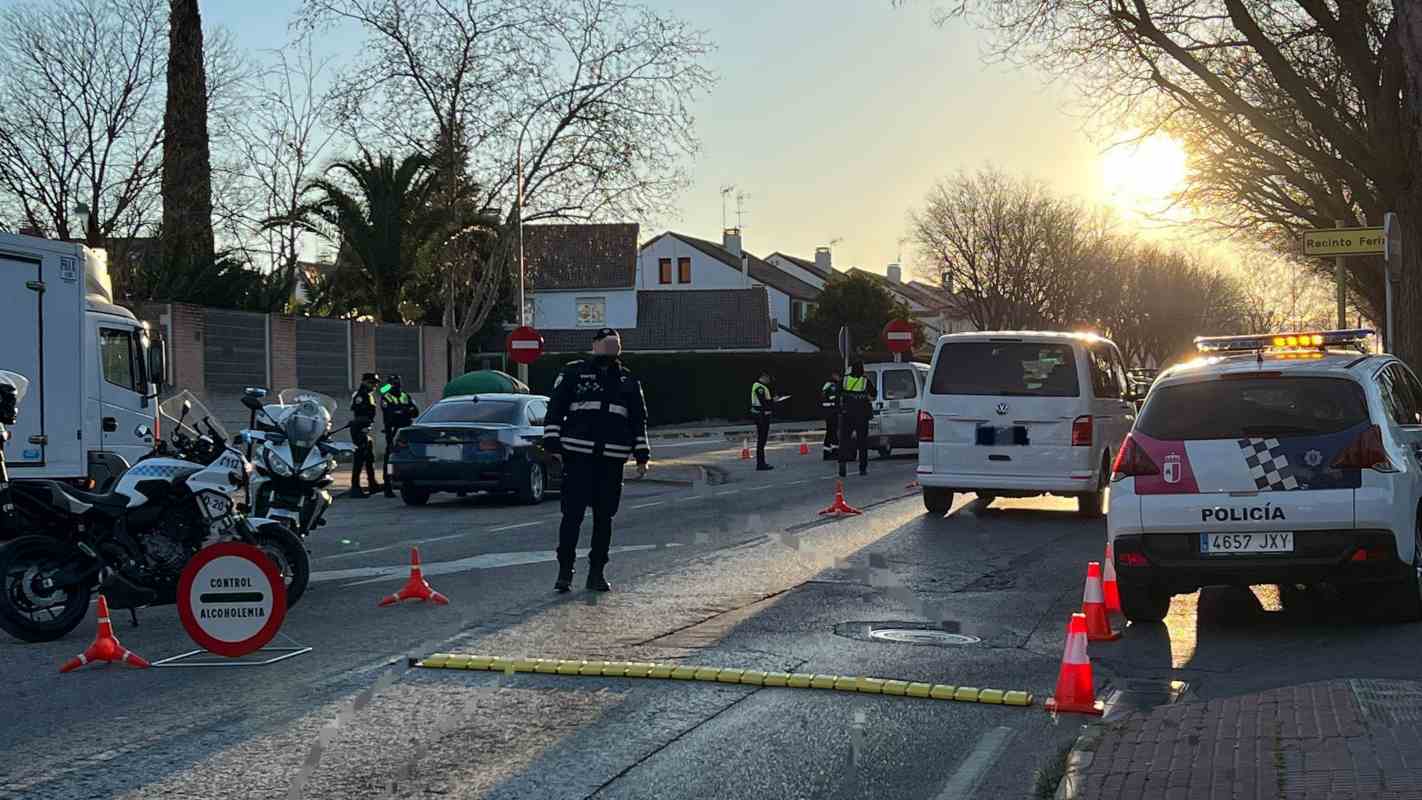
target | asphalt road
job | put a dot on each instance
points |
(737, 570)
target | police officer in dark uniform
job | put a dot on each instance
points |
(397, 411)
(362, 418)
(856, 406)
(597, 418)
(829, 406)
(762, 409)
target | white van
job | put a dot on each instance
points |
(1019, 414)
(898, 388)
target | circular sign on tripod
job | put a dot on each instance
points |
(231, 599)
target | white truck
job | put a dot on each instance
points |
(94, 368)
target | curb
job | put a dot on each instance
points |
(1083, 752)
(743, 677)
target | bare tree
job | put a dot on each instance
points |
(81, 84)
(1295, 112)
(595, 94)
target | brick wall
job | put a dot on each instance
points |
(185, 346)
(283, 354)
(435, 363)
(362, 349)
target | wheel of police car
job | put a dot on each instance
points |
(533, 486)
(414, 497)
(1399, 601)
(937, 501)
(1142, 603)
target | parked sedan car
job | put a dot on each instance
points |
(476, 442)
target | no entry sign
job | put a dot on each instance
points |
(898, 335)
(525, 345)
(231, 599)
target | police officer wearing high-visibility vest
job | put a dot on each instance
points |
(597, 419)
(829, 406)
(362, 418)
(398, 411)
(856, 406)
(762, 408)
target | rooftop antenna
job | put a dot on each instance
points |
(725, 190)
(740, 207)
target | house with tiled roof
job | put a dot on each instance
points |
(816, 273)
(931, 305)
(582, 277)
(677, 262)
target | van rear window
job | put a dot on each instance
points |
(1242, 408)
(1006, 369)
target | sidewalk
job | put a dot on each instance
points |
(1334, 739)
(731, 430)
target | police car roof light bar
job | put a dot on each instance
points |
(1353, 339)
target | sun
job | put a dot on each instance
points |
(1142, 176)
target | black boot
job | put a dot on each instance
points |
(842, 471)
(564, 583)
(763, 467)
(389, 490)
(355, 493)
(596, 581)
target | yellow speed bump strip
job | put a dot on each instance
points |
(685, 672)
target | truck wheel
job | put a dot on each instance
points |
(414, 497)
(1143, 603)
(530, 491)
(937, 501)
(28, 611)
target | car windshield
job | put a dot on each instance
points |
(496, 411)
(1253, 407)
(1006, 369)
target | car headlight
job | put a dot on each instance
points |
(277, 464)
(316, 472)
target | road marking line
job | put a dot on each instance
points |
(648, 505)
(797, 483)
(761, 488)
(438, 538)
(520, 525)
(964, 783)
(730, 491)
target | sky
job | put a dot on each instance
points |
(835, 119)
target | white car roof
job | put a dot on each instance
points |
(1040, 336)
(1331, 363)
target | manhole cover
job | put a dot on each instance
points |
(921, 636)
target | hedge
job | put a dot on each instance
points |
(691, 387)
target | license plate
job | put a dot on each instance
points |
(445, 452)
(1229, 544)
(996, 436)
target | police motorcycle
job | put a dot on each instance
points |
(132, 543)
(294, 456)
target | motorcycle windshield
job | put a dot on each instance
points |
(305, 423)
(288, 397)
(195, 420)
(15, 379)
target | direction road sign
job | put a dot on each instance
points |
(525, 345)
(1343, 242)
(898, 335)
(231, 599)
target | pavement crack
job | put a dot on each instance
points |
(718, 615)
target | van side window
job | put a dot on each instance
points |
(116, 354)
(1103, 378)
(899, 384)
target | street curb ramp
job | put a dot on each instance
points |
(742, 677)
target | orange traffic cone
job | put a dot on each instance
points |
(804, 449)
(1113, 592)
(914, 484)
(106, 646)
(417, 588)
(1093, 606)
(745, 449)
(1076, 693)
(839, 506)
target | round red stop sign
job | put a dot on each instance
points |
(898, 335)
(525, 345)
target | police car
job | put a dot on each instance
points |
(1280, 459)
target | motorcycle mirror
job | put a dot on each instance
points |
(252, 401)
(254, 392)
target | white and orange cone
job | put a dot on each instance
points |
(1093, 607)
(416, 588)
(745, 449)
(804, 449)
(106, 646)
(839, 506)
(1076, 690)
(1108, 583)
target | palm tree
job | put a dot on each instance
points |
(380, 222)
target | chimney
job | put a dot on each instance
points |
(822, 259)
(731, 240)
(896, 274)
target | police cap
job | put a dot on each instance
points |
(603, 333)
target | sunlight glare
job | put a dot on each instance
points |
(1142, 177)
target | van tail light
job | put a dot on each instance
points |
(1365, 452)
(925, 426)
(1081, 432)
(1132, 460)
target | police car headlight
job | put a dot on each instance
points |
(277, 464)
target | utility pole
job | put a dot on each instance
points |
(522, 303)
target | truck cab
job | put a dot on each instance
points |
(94, 367)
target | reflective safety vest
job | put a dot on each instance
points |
(757, 389)
(856, 385)
(856, 395)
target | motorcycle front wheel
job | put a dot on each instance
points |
(30, 610)
(287, 551)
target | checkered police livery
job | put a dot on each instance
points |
(1268, 465)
